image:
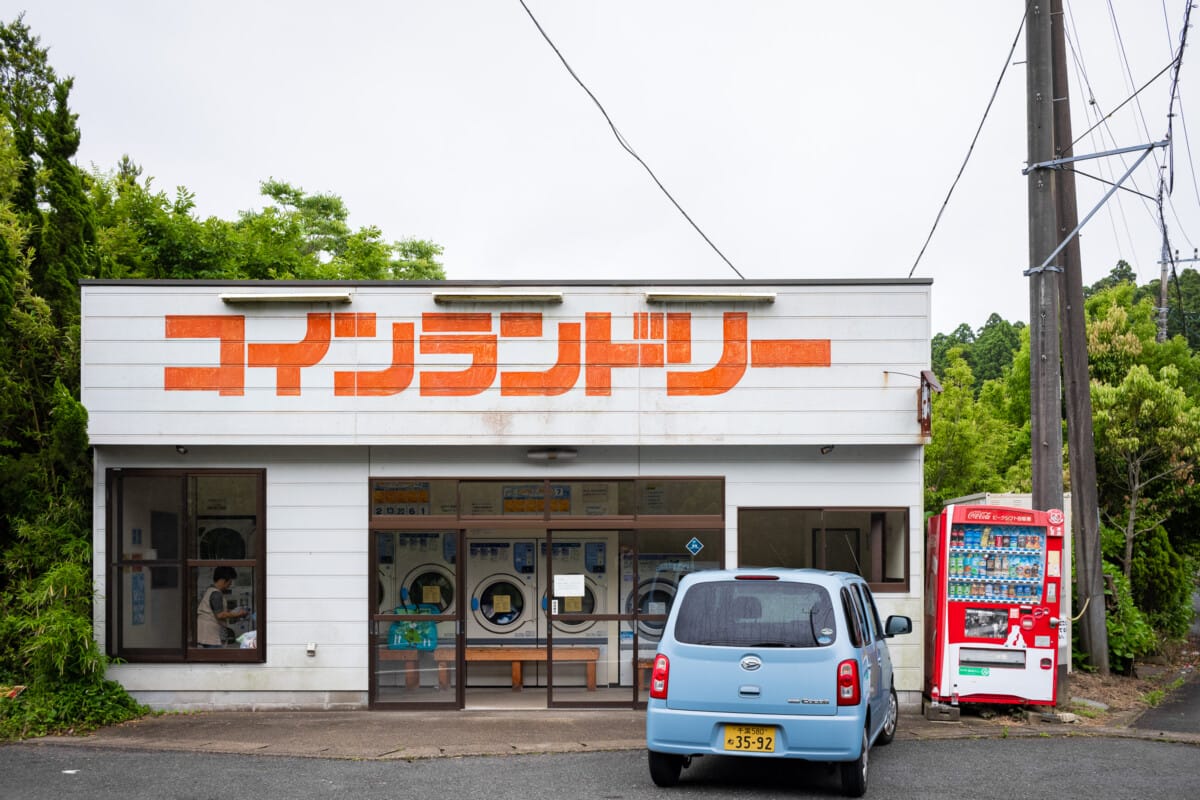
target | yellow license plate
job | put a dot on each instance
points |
(750, 738)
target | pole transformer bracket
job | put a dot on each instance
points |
(1146, 149)
(1043, 268)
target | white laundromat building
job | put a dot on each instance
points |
(444, 495)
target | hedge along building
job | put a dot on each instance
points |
(444, 495)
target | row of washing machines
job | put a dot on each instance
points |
(507, 590)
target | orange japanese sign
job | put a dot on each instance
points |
(660, 340)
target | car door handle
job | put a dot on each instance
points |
(749, 691)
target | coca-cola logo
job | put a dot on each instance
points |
(1056, 516)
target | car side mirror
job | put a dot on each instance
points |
(897, 625)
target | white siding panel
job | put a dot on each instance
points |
(878, 334)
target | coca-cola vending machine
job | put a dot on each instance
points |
(993, 589)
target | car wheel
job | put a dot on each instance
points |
(664, 768)
(854, 773)
(888, 731)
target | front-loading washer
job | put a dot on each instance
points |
(501, 575)
(426, 563)
(652, 592)
(389, 595)
(588, 557)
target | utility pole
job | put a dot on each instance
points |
(1168, 266)
(1163, 274)
(1085, 508)
(1045, 366)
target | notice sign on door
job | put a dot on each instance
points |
(570, 585)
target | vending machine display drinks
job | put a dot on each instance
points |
(994, 582)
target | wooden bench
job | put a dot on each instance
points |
(644, 667)
(444, 656)
(412, 677)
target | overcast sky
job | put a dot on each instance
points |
(807, 140)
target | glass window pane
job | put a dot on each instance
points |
(895, 547)
(151, 527)
(150, 616)
(681, 497)
(777, 537)
(226, 516)
(224, 603)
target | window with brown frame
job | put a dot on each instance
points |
(871, 542)
(187, 577)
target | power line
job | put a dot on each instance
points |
(624, 144)
(971, 149)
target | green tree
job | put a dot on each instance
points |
(967, 442)
(1147, 433)
(306, 236)
(995, 345)
(68, 231)
(961, 338)
(1122, 273)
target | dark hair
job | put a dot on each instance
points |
(224, 574)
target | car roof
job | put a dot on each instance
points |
(794, 574)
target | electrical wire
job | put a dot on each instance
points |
(1112, 210)
(971, 149)
(622, 141)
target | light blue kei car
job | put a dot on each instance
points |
(772, 663)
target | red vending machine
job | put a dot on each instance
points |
(994, 579)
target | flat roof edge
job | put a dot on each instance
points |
(523, 282)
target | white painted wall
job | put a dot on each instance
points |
(317, 559)
(878, 335)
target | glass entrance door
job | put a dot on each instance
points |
(416, 612)
(581, 600)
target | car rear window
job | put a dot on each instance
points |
(756, 614)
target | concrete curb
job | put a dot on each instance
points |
(367, 735)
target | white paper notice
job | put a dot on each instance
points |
(569, 585)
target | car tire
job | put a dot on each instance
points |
(854, 773)
(664, 768)
(888, 731)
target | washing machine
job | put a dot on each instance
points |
(589, 556)
(425, 570)
(651, 591)
(502, 578)
(385, 572)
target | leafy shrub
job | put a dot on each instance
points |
(1162, 584)
(1129, 634)
(66, 708)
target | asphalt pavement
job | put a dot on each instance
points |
(378, 735)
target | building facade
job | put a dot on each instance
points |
(443, 495)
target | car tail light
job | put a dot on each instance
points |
(848, 692)
(659, 676)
